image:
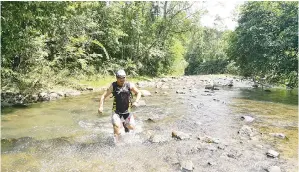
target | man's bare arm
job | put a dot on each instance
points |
(104, 96)
(135, 90)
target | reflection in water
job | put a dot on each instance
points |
(275, 95)
(276, 112)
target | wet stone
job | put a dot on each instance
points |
(247, 118)
(274, 169)
(43, 96)
(158, 139)
(211, 148)
(211, 163)
(247, 131)
(278, 135)
(141, 103)
(187, 166)
(180, 92)
(145, 93)
(209, 87)
(222, 147)
(53, 96)
(89, 88)
(180, 135)
(209, 139)
(234, 154)
(206, 94)
(152, 119)
(272, 154)
(72, 93)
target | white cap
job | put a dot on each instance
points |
(121, 73)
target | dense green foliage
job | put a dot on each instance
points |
(43, 44)
(54, 40)
(265, 44)
(205, 53)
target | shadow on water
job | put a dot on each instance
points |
(288, 97)
(25, 144)
(11, 109)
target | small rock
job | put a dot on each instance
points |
(206, 94)
(180, 135)
(187, 165)
(158, 139)
(43, 96)
(211, 163)
(209, 139)
(247, 131)
(156, 92)
(222, 147)
(230, 83)
(145, 93)
(141, 103)
(150, 120)
(34, 98)
(247, 118)
(255, 85)
(209, 87)
(211, 148)
(141, 84)
(164, 87)
(254, 138)
(60, 93)
(72, 93)
(272, 154)
(259, 146)
(89, 88)
(53, 96)
(231, 156)
(159, 84)
(278, 135)
(234, 154)
(180, 92)
(274, 169)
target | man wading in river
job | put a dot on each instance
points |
(122, 103)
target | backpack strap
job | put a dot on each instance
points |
(114, 86)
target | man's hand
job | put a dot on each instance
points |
(100, 110)
(135, 104)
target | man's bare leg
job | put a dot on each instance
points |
(131, 127)
(116, 130)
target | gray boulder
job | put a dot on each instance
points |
(187, 165)
(272, 154)
(247, 118)
(180, 135)
(274, 169)
(145, 93)
(278, 135)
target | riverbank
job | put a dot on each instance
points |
(10, 98)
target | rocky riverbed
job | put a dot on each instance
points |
(189, 123)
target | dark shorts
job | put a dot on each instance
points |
(127, 119)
